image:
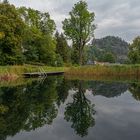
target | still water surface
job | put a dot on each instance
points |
(60, 109)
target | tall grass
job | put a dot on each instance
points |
(124, 71)
(19, 70)
(106, 71)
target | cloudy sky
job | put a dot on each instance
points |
(113, 17)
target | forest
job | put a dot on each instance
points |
(29, 36)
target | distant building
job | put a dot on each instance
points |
(106, 63)
(90, 62)
(101, 63)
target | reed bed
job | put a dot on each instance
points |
(11, 73)
(125, 71)
(19, 70)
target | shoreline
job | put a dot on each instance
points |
(105, 71)
(84, 72)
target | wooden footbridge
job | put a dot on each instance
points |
(42, 73)
(39, 74)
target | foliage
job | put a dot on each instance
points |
(38, 42)
(62, 47)
(134, 51)
(109, 57)
(59, 61)
(2, 35)
(79, 27)
(26, 35)
(11, 29)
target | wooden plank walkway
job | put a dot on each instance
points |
(42, 74)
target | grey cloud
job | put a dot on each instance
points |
(113, 17)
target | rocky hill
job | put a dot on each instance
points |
(110, 44)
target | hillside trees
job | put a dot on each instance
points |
(26, 35)
(38, 41)
(79, 27)
(11, 30)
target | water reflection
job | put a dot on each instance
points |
(27, 107)
(34, 105)
(62, 89)
(80, 112)
(106, 89)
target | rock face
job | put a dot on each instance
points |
(111, 44)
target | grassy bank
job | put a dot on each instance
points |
(118, 71)
(125, 71)
(19, 70)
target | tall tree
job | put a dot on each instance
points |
(79, 27)
(38, 41)
(134, 51)
(62, 47)
(11, 29)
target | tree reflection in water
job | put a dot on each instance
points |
(27, 107)
(135, 90)
(30, 106)
(80, 112)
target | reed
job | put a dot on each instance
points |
(105, 71)
(9, 73)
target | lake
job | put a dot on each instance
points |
(59, 109)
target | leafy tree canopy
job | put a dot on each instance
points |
(11, 30)
(79, 27)
(134, 51)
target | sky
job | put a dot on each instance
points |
(113, 17)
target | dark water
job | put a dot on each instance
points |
(60, 109)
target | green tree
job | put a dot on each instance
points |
(62, 47)
(47, 53)
(38, 41)
(134, 51)
(79, 27)
(109, 57)
(74, 55)
(11, 27)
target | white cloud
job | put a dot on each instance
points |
(113, 17)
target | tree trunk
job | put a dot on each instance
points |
(80, 57)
